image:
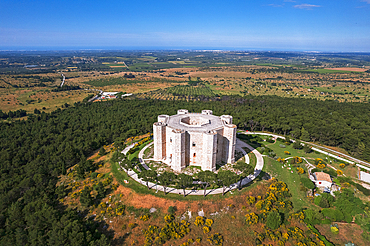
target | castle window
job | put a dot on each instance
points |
(193, 144)
(170, 140)
(194, 155)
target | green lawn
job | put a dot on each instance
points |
(275, 169)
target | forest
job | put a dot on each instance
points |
(34, 152)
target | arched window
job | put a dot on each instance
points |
(193, 144)
(194, 155)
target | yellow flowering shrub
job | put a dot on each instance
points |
(209, 222)
(206, 229)
(199, 221)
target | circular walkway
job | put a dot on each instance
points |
(239, 144)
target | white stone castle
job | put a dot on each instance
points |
(194, 139)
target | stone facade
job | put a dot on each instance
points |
(194, 139)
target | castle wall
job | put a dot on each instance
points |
(195, 148)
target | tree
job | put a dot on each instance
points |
(325, 200)
(245, 169)
(297, 145)
(165, 179)
(147, 175)
(85, 197)
(305, 136)
(273, 220)
(206, 177)
(102, 151)
(307, 148)
(127, 164)
(184, 181)
(100, 190)
(226, 178)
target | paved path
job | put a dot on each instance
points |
(239, 143)
(141, 154)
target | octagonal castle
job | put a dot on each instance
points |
(194, 139)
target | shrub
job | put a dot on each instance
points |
(334, 230)
(339, 172)
(270, 140)
(333, 214)
(287, 152)
(169, 218)
(325, 200)
(321, 166)
(251, 200)
(144, 217)
(307, 148)
(342, 165)
(209, 222)
(297, 145)
(307, 183)
(251, 218)
(313, 216)
(132, 225)
(172, 209)
(199, 221)
(206, 229)
(300, 170)
(273, 220)
(215, 239)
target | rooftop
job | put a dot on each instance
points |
(321, 176)
(195, 122)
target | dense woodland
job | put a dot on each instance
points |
(35, 151)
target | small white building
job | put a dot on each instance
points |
(323, 180)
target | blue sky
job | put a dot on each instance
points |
(310, 25)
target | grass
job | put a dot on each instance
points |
(275, 169)
(136, 153)
(31, 98)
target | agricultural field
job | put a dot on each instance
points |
(165, 76)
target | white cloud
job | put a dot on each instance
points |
(309, 6)
(366, 1)
(276, 5)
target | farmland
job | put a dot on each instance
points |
(166, 75)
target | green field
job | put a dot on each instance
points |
(188, 90)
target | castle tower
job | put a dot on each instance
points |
(178, 150)
(230, 137)
(159, 139)
(209, 151)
